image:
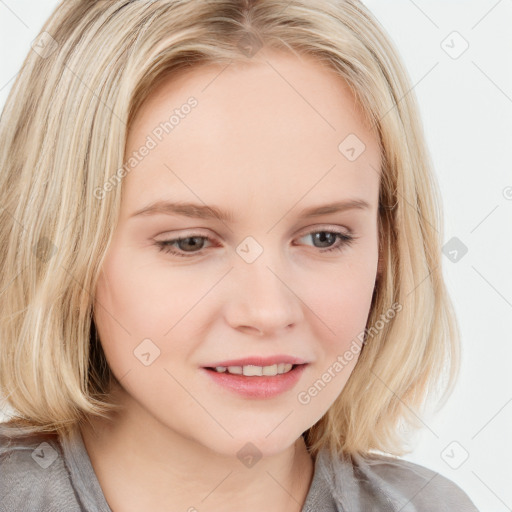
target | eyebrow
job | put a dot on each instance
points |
(199, 211)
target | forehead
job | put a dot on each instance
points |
(270, 129)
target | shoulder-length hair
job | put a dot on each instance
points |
(63, 133)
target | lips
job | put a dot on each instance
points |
(258, 361)
(252, 387)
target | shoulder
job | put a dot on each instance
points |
(380, 482)
(33, 475)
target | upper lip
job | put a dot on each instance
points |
(258, 361)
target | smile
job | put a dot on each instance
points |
(252, 370)
(250, 381)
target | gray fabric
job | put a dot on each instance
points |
(379, 483)
(46, 474)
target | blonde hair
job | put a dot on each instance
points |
(63, 133)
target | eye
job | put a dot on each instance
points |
(193, 244)
(184, 244)
(330, 236)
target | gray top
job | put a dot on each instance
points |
(45, 473)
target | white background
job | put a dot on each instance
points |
(466, 106)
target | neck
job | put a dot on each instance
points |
(141, 463)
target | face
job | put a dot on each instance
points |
(261, 144)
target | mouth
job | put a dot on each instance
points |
(256, 371)
(257, 382)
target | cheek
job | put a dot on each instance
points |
(345, 309)
(338, 312)
(341, 297)
(111, 316)
(126, 314)
(137, 302)
(139, 299)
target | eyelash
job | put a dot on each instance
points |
(165, 245)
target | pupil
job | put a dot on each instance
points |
(323, 235)
(193, 245)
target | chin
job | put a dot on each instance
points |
(255, 443)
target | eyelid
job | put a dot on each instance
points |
(184, 233)
(325, 227)
(346, 241)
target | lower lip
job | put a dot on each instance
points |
(255, 386)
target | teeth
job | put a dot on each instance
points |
(251, 370)
(269, 370)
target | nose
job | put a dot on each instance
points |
(262, 299)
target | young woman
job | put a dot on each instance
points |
(221, 271)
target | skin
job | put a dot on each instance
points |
(261, 146)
